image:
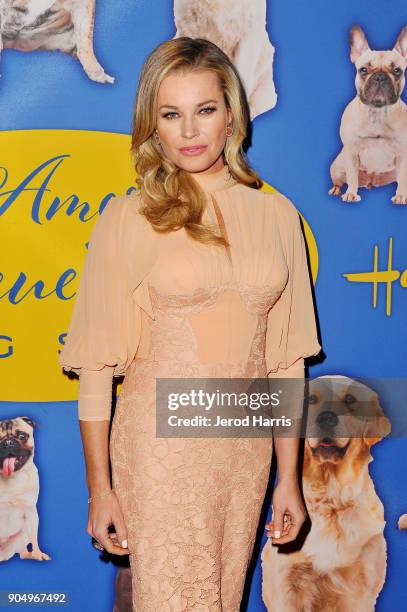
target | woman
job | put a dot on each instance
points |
(196, 274)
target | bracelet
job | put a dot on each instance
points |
(101, 495)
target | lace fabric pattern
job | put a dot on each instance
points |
(191, 505)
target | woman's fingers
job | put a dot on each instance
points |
(101, 535)
(278, 523)
(104, 514)
(288, 513)
(120, 528)
(109, 544)
(270, 527)
(115, 540)
(292, 531)
(289, 528)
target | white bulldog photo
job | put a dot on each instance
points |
(64, 25)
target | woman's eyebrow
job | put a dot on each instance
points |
(176, 107)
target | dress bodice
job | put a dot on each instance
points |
(210, 303)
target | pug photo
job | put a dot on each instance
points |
(373, 128)
(63, 25)
(238, 27)
(342, 561)
(19, 489)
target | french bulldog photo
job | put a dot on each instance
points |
(238, 27)
(341, 564)
(64, 25)
(19, 489)
(373, 128)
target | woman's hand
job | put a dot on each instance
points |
(103, 512)
(288, 513)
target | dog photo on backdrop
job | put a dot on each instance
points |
(63, 25)
(19, 489)
(238, 27)
(373, 127)
(342, 562)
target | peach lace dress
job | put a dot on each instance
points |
(191, 505)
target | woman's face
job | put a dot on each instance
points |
(191, 121)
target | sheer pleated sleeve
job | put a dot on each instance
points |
(291, 325)
(104, 330)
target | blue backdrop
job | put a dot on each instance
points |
(293, 146)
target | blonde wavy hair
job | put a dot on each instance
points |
(171, 199)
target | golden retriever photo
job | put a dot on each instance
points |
(63, 25)
(341, 565)
(238, 27)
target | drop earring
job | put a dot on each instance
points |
(229, 130)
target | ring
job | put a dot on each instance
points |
(98, 546)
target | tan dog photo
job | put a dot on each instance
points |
(373, 127)
(341, 565)
(238, 27)
(19, 489)
(64, 25)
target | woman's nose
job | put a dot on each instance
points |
(189, 127)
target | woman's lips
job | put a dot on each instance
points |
(196, 150)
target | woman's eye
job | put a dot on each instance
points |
(207, 110)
